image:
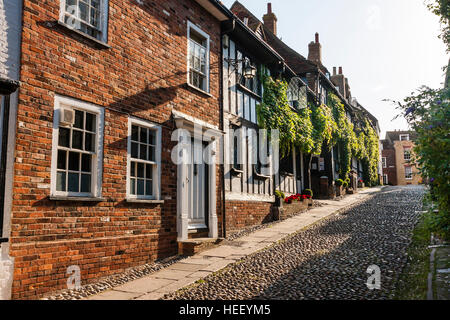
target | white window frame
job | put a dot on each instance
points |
(404, 135)
(190, 26)
(407, 177)
(384, 162)
(405, 153)
(157, 163)
(97, 162)
(103, 17)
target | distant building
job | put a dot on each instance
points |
(397, 161)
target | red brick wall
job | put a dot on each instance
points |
(142, 74)
(389, 154)
(241, 214)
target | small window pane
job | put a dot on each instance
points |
(74, 161)
(134, 150)
(140, 187)
(133, 186)
(89, 143)
(133, 169)
(83, 11)
(135, 133)
(85, 183)
(149, 171)
(79, 119)
(152, 137)
(95, 4)
(94, 18)
(70, 3)
(151, 154)
(73, 182)
(64, 137)
(90, 122)
(62, 159)
(143, 135)
(86, 163)
(148, 188)
(143, 152)
(140, 170)
(61, 181)
(77, 140)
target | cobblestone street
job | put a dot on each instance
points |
(328, 260)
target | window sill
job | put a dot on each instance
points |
(99, 42)
(199, 90)
(236, 172)
(286, 174)
(132, 200)
(247, 90)
(83, 199)
(259, 176)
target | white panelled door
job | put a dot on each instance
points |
(197, 188)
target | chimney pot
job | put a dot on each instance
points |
(334, 71)
(270, 19)
(340, 70)
(315, 51)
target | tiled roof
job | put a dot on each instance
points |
(395, 135)
(295, 60)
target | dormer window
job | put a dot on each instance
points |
(404, 137)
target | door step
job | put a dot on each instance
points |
(198, 233)
(191, 247)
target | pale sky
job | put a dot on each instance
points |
(387, 48)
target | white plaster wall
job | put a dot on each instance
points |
(10, 35)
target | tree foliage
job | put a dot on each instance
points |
(428, 113)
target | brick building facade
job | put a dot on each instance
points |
(399, 167)
(104, 89)
(121, 80)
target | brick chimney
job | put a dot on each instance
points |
(315, 51)
(340, 81)
(270, 19)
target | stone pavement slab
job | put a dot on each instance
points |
(171, 274)
(218, 265)
(144, 285)
(185, 267)
(114, 295)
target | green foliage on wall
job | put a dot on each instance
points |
(295, 127)
(312, 128)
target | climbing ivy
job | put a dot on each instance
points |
(323, 126)
(295, 127)
(312, 128)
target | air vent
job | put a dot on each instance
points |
(67, 117)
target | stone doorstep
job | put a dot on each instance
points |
(193, 246)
